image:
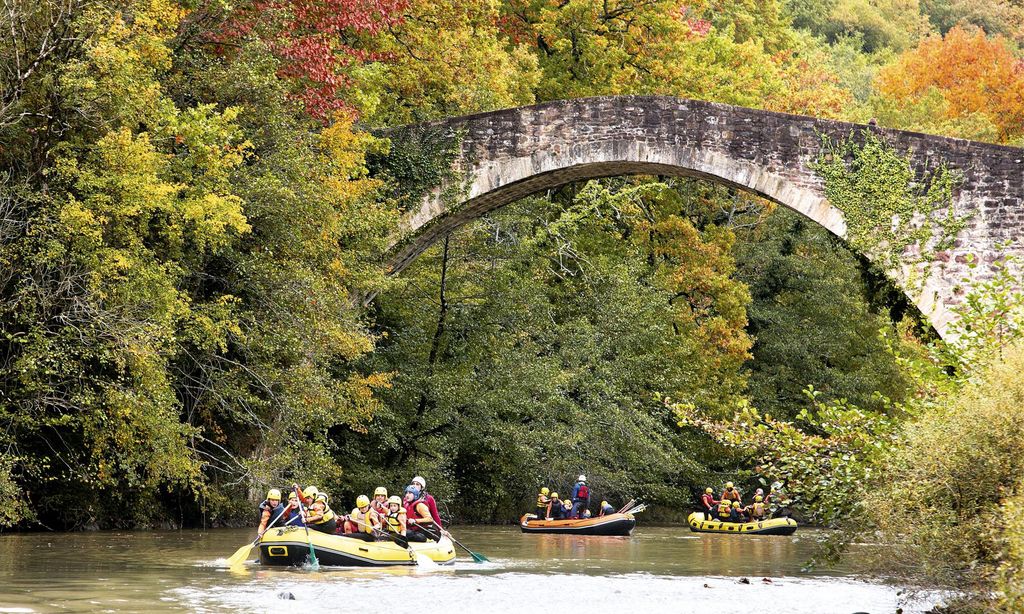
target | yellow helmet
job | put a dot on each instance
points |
(321, 496)
(554, 495)
(709, 491)
(544, 490)
(758, 498)
(274, 493)
(380, 491)
(395, 499)
(604, 503)
(362, 501)
(292, 496)
(310, 492)
(735, 503)
(728, 484)
(566, 503)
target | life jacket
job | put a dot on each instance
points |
(394, 521)
(555, 510)
(724, 509)
(328, 514)
(757, 510)
(365, 523)
(275, 512)
(542, 501)
(731, 495)
(412, 514)
(583, 493)
(708, 501)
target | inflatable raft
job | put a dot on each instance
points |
(290, 546)
(699, 523)
(611, 524)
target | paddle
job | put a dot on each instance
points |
(314, 564)
(395, 537)
(479, 558)
(242, 554)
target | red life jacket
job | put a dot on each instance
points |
(410, 510)
(584, 493)
(708, 501)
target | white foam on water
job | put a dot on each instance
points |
(504, 592)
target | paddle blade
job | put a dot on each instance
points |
(479, 558)
(240, 555)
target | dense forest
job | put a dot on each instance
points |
(196, 196)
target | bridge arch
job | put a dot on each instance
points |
(509, 154)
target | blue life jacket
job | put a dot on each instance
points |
(275, 511)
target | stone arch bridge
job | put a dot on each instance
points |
(508, 154)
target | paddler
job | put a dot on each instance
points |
(554, 511)
(756, 510)
(736, 514)
(419, 524)
(362, 521)
(543, 499)
(395, 520)
(708, 503)
(293, 516)
(271, 511)
(319, 515)
(580, 496)
(428, 498)
(606, 508)
(380, 501)
(731, 494)
(724, 510)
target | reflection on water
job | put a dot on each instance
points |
(185, 571)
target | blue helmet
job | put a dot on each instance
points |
(414, 490)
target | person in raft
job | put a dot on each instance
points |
(543, 500)
(362, 522)
(731, 494)
(756, 511)
(708, 503)
(554, 510)
(319, 515)
(395, 520)
(272, 513)
(580, 497)
(736, 513)
(724, 510)
(606, 508)
(419, 523)
(380, 501)
(428, 498)
(293, 516)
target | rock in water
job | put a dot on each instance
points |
(286, 595)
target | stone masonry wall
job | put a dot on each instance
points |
(512, 153)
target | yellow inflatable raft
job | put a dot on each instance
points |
(699, 523)
(289, 546)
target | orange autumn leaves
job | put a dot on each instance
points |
(974, 74)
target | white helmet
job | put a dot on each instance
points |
(582, 478)
(419, 480)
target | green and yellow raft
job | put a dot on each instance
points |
(290, 546)
(699, 523)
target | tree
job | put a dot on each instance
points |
(974, 74)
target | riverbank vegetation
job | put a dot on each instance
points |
(194, 206)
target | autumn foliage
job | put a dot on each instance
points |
(973, 72)
(315, 40)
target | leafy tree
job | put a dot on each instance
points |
(812, 321)
(973, 73)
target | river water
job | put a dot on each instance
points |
(668, 568)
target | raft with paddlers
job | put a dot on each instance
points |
(700, 523)
(290, 546)
(610, 524)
